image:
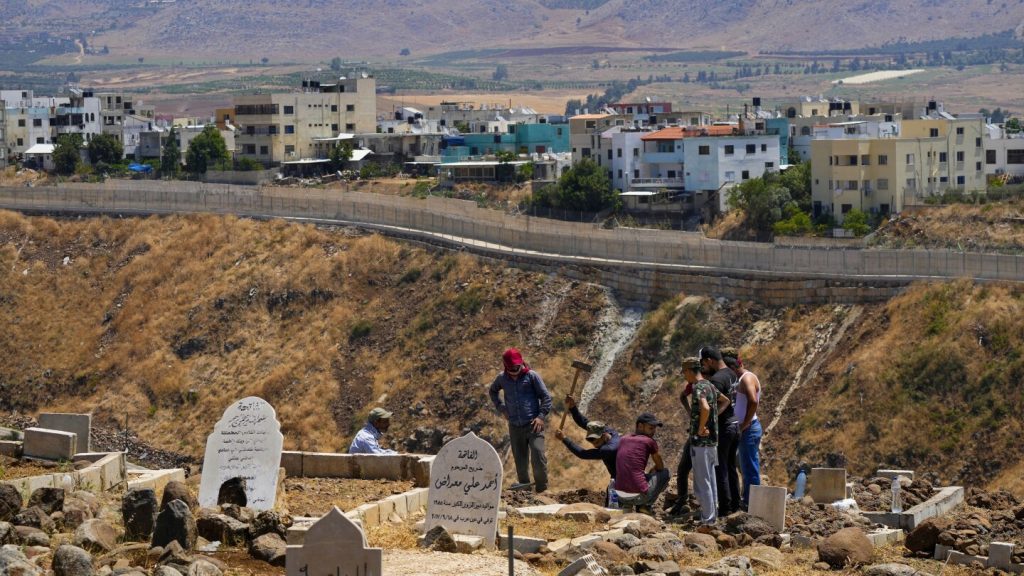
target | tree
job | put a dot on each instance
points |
(1013, 126)
(583, 187)
(797, 181)
(67, 153)
(764, 200)
(404, 52)
(170, 156)
(500, 73)
(264, 60)
(339, 155)
(105, 149)
(206, 150)
(856, 221)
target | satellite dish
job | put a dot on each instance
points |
(647, 99)
(319, 69)
(364, 75)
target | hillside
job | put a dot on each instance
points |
(318, 29)
(168, 320)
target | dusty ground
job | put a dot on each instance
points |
(997, 227)
(11, 469)
(316, 496)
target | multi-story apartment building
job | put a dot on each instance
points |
(1004, 152)
(585, 136)
(278, 127)
(882, 174)
(80, 115)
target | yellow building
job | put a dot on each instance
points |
(585, 136)
(884, 175)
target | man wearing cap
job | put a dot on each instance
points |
(725, 381)
(525, 404)
(748, 397)
(703, 438)
(366, 440)
(634, 486)
(604, 439)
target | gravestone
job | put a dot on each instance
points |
(245, 443)
(465, 488)
(50, 444)
(80, 424)
(333, 546)
(828, 485)
(769, 504)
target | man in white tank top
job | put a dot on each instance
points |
(748, 396)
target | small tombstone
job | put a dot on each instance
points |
(246, 444)
(828, 485)
(80, 424)
(769, 504)
(465, 489)
(333, 546)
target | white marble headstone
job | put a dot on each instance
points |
(245, 443)
(465, 488)
(333, 546)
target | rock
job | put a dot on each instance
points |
(232, 492)
(728, 566)
(666, 567)
(72, 561)
(178, 491)
(7, 533)
(33, 552)
(924, 537)
(610, 552)
(626, 541)
(848, 547)
(76, 512)
(50, 500)
(165, 571)
(726, 542)
(584, 512)
(10, 502)
(243, 515)
(641, 525)
(31, 536)
(14, 563)
(765, 557)
(176, 556)
(35, 517)
(439, 540)
(223, 528)
(89, 498)
(175, 522)
(650, 550)
(269, 548)
(701, 543)
(893, 569)
(96, 535)
(269, 521)
(139, 510)
(743, 523)
(206, 568)
(821, 566)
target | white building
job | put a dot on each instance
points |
(1004, 153)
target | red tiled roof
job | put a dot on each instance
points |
(680, 132)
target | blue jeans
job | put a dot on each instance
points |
(750, 459)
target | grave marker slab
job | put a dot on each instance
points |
(828, 485)
(49, 444)
(769, 504)
(334, 546)
(465, 489)
(245, 443)
(80, 424)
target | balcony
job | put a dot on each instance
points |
(663, 157)
(656, 183)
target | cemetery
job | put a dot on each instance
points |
(257, 509)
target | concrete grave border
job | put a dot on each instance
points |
(941, 502)
(107, 471)
(1004, 562)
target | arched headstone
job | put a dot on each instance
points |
(465, 488)
(246, 443)
(333, 546)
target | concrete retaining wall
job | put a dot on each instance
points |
(413, 467)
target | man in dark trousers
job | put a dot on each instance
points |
(604, 439)
(713, 368)
(526, 405)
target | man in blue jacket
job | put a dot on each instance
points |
(526, 403)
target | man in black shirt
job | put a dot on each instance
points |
(714, 369)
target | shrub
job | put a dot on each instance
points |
(470, 302)
(360, 329)
(412, 275)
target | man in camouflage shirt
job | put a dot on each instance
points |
(706, 403)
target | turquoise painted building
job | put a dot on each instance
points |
(780, 126)
(520, 139)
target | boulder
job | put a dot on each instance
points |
(139, 510)
(178, 491)
(728, 566)
(650, 550)
(96, 535)
(165, 571)
(743, 523)
(35, 517)
(232, 491)
(222, 528)
(893, 569)
(439, 540)
(269, 548)
(765, 557)
(267, 522)
(204, 567)
(610, 552)
(175, 523)
(847, 547)
(243, 515)
(7, 533)
(701, 543)
(924, 537)
(89, 498)
(666, 567)
(30, 536)
(50, 500)
(625, 541)
(175, 556)
(72, 561)
(584, 512)
(14, 563)
(76, 512)
(10, 502)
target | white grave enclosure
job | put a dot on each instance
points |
(333, 546)
(465, 489)
(246, 443)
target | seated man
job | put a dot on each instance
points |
(604, 439)
(366, 440)
(634, 486)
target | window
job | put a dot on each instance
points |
(21, 122)
(883, 184)
(636, 152)
(289, 129)
(852, 160)
(272, 129)
(910, 159)
(37, 122)
(350, 127)
(21, 142)
(591, 124)
(942, 179)
(264, 150)
(671, 173)
(912, 183)
(289, 149)
(977, 166)
(704, 150)
(883, 159)
(40, 140)
(852, 185)
(289, 109)
(1015, 156)
(751, 148)
(334, 128)
(977, 142)
(942, 157)
(933, 132)
(348, 108)
(764, 147)
(586, 153)
(729, 149)
(805, 130)
(620, 174)
(618, 152)
(961, 180)
(730, 175)
(846, 208)
(745, 175)
(769, 164)
(248, 148)
(990, 156)
(865, 159)
(609, 153)
(960, 156)
(959, 130)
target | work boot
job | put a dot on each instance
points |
(678, 509)
(645, 509)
